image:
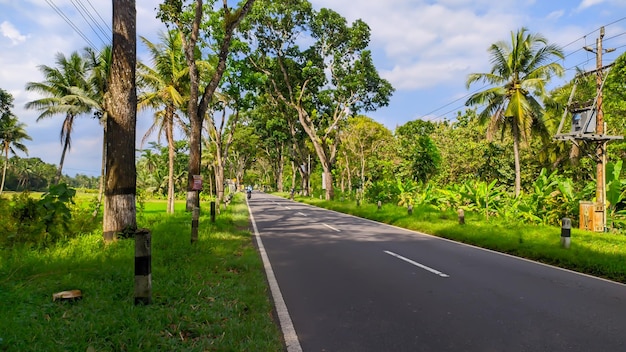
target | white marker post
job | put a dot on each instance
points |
(566, 229)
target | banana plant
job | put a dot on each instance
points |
(408, 192)
(552, 198)
(479, 195)
(615, 189)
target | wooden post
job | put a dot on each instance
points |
(212, 211)
(143, 267)
(461, 213)
(194, 224)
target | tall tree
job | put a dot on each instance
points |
(189, 20)
(421, 157)
(325, 83)
(363, 140)
(100, 69)
(120, 177)
(521, 69)
(12, 132)
(164, 87)
(59, 88)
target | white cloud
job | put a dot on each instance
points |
(588, 3)
(431, 43)
(555, 15)
(8, 30)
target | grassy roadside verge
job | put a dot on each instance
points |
(598, 254)
(211, 296)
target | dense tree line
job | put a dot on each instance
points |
(275, 94)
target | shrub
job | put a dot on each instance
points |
(37, 223)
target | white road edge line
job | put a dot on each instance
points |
(289, 332)
(288, 208)
(436, 272)
(301, 213)
(332, 228)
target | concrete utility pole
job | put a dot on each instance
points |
(601, 143)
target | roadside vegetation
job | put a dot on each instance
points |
(210, 296)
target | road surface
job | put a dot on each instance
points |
(349, 284)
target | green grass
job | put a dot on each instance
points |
(210, 296)
(599, 254)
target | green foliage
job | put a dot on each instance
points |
(616, 194)
(517, 80)
(420, 155)
(383, 190)
(38, 223)
(407, 192)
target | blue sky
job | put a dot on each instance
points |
(425, 48)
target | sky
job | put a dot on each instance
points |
(425, 48)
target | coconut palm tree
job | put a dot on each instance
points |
(518, 77)
(12, 133)
(99, 64)
(60, 87)
(162, 90)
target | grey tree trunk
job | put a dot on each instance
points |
(120, 176)
(518, 172)
(170, 147)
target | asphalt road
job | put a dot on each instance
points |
(350, 284)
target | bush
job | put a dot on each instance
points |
(36, 223)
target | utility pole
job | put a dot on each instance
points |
(601, 143)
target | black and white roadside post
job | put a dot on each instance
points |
(410, 209)
(380, 204)
(461, 213)
(566, 230)
(143, 267)
(195, 217)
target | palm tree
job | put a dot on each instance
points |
(99, 68)
(520, 72)
(61, 87)
(12, 133)
(163, 86)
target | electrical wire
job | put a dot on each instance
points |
(69, 22)
(92, 23)
(78, 8)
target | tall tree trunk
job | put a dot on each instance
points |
(325, 160)
(219, 177)
(328, 182)
(196, 110)
(304, 178)
(349, 174)
(518, 171)
(59, 173)
(120, 183)
(362, 168)
(293, 175)
(4, 169)
(102, 175)
(280, 186)
(170, 148)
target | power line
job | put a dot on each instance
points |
(106, 24)
(69, 22)
(91, 22)
(78, 8)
